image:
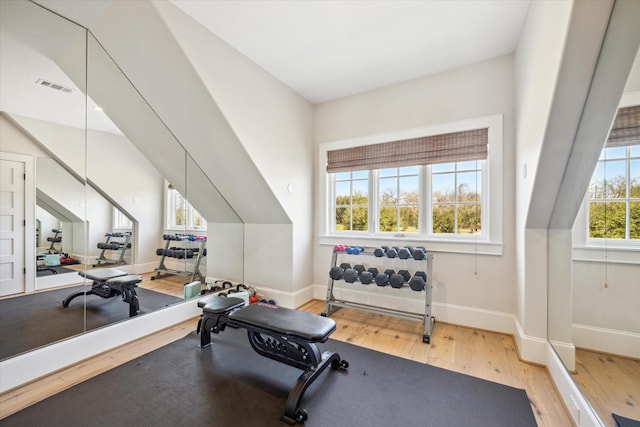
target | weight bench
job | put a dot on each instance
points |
(281, 334)
(109, 282)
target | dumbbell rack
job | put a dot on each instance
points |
(164, 271)
(114, 245)
(332, 303)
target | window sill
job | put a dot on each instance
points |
(609, 254)
(479, 247)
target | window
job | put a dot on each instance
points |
(351, 201)
(380, 188)
(456, 198)
(121, 221)
(399, 200)
(614, 195)
(180, 214)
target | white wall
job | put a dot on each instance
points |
(483, 89)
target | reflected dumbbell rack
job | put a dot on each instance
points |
(414, 278)
(117, 241)
(192, 254)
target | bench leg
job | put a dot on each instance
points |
(293, 413)
(207, 325)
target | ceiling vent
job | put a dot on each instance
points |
(55, 86)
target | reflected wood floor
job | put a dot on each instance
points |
(611, 383)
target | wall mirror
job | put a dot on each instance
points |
(103, 164)
(594, 262)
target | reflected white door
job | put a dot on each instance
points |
(12, 220)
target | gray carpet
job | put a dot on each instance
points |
(31, 321)
(228, 384)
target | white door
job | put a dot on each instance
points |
(12, 228)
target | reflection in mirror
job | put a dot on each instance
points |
(594, 291)
(104, 161)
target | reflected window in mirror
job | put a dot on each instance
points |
(180, 214)
(613, 199)
(121, 221)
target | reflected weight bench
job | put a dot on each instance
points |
(108, 283)
(281, 334)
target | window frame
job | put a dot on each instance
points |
(490, 242)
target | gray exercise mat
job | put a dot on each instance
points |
(228, 384)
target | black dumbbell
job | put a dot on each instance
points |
(417, 283)
(389, 272)
(379, 252)
(350, 275)
(336, 273)
(345, 265)
(373, 271)
(404, 253)
(421, 274)
(366, 277)
(392, 253)
(382, 280)
(396, 280)
(405, 274)
(160, 251)
(418, 254)
(359, 268)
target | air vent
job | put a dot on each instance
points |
(52, 85)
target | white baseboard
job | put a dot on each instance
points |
(566, 352)
(530, 349)
(607, 340)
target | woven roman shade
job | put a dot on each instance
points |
(445, 148)
(626, 127)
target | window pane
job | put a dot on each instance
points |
(634, 220)
(443, 220)
(409, 170)
(470, 165)
(443, 167)
(360, 174)
(634, 179)
(388, 191)
(607, 220)
(343, 219)
(388, 172)
(342, 175)
(468, 186)
(409, 189)
(469, 219)
(596, 188)
(635, 150)
(614, 153)
(360, 192)
(615, 179)
(443, 188)
(388, 219)
(343, 193)
(409, 219)
(360, 219)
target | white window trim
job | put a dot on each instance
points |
(492, 183)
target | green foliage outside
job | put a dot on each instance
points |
(608, 219)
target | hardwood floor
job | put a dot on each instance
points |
(483, 354)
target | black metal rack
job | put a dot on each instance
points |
(118, 241)
(195, 253)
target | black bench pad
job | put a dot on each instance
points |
(216, 304)
(285, 322)
(123, 280)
